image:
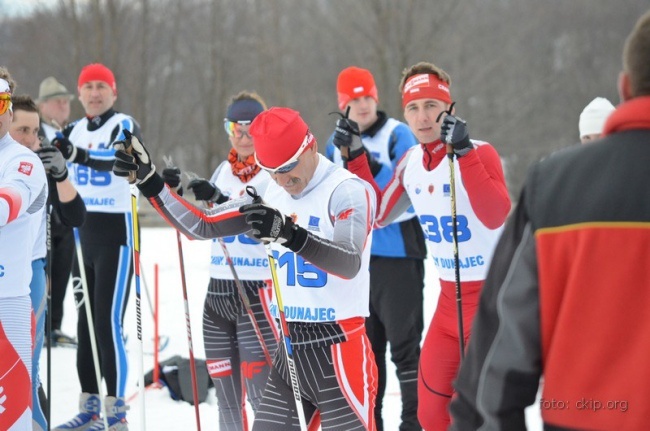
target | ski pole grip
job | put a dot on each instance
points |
(128, 148)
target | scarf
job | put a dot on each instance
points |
(245, 170)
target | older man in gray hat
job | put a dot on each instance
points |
(54, 106)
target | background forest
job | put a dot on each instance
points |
(521, 70)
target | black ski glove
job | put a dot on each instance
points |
(172, 177)
(347, 135)
(69, 151)
(270, 225)
(136, 167)
(54, 163)
(454, 131)
(204, 190)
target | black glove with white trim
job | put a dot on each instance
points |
(347, 135)
(70, 151)
(454, 131)
(132, 160)
(53, 162)
(270, 225)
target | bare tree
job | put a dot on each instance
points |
(521, 70)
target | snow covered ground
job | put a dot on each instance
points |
(162, 413)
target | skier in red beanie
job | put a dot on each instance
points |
(318, 220)
(106, 242)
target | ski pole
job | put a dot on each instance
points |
(135, 242)
(195, 391)
(48, 322)
(240, 288)
(459, 303)
(48, 333)
(89, 319)
(247, 304)
(284, 327)
(160, 341)
(156, 346)
(454, 223)
(146, 289)
(138, 309)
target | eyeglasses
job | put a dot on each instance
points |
(234, 128)
(5, 102)
(290, 164)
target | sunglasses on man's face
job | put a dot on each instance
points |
(236, 129)
(5, 102)
(290, 164)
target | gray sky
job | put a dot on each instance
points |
(22, 7)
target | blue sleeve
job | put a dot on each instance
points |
(400, 141)
(404, 139)
(383, 176)
(329, 148)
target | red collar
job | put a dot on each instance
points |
(630, 115)
(432, 154)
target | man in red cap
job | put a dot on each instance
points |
(320, 229)
(106, 238)
(422, 179)
(398, 250)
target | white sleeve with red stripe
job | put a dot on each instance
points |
(23, 193)
(394, 199)
(23, 185)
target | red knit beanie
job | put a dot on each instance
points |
(97, 72)
(277, 135)
(354, 82)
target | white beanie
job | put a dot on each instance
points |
(592, 118)
(4, 86)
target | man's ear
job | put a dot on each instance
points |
(624, 86)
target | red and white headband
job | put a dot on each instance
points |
(425, 86)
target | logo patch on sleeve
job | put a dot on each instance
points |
(25, 168)
(344, 215)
